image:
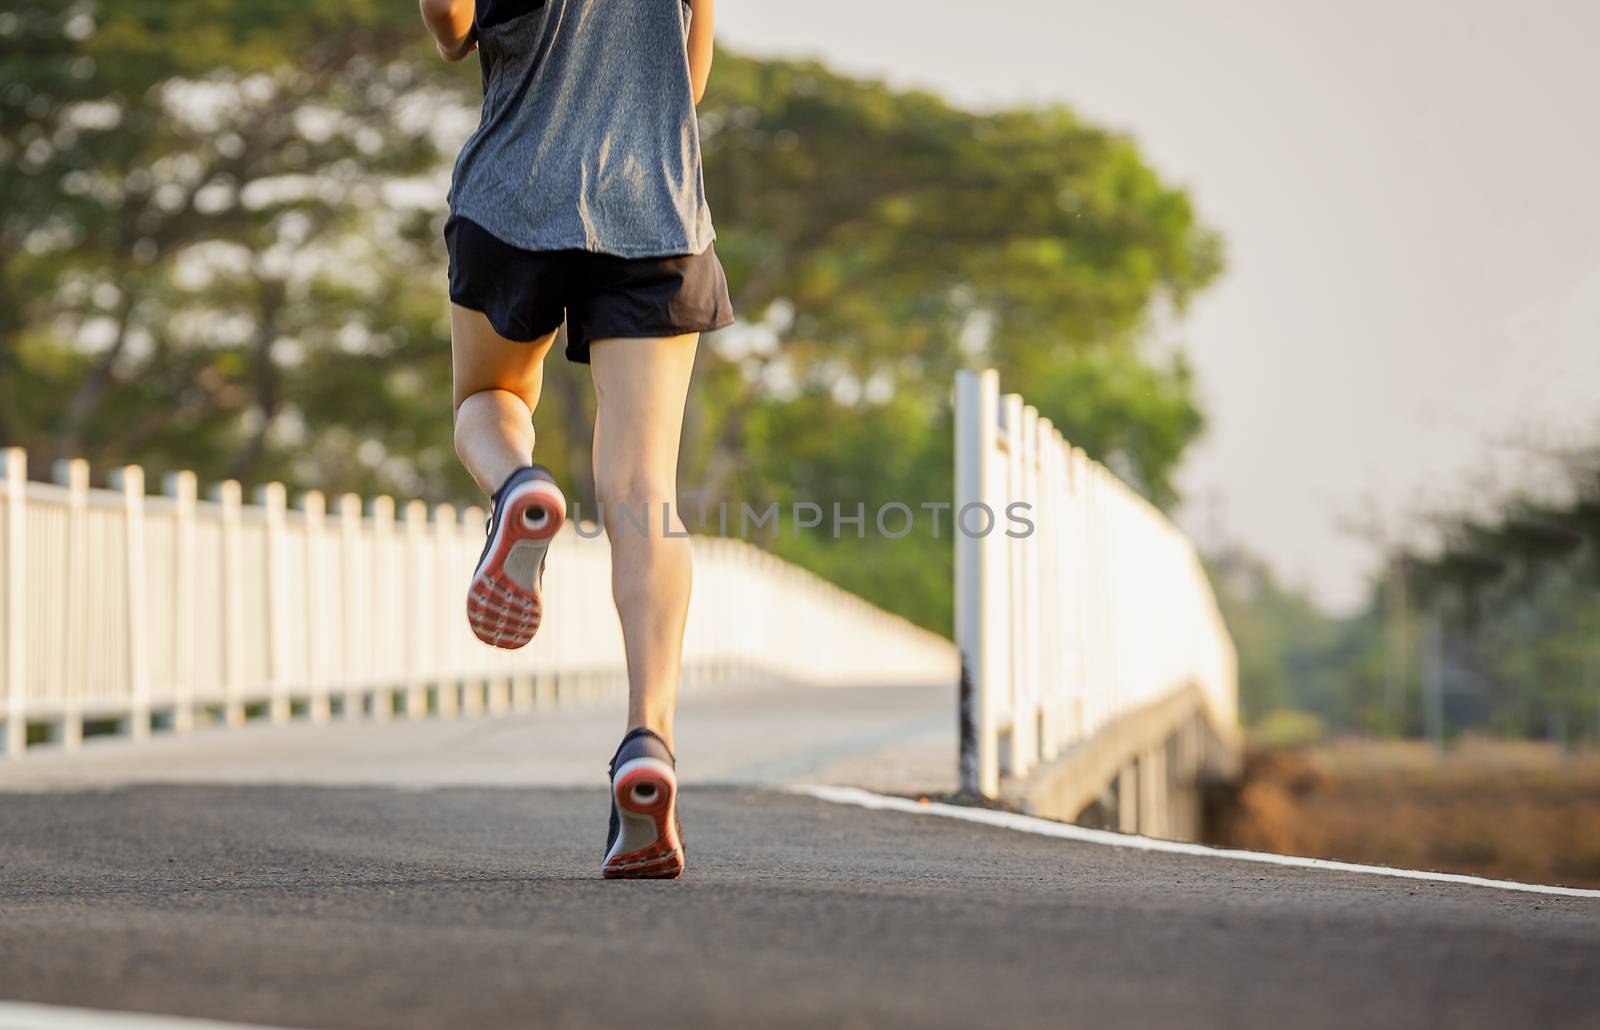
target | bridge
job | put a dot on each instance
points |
(260, 772)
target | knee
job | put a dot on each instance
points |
(632, 486)
(631, 496)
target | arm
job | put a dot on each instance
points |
(450, 21)
(701, 28)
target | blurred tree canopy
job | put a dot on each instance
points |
(1514, 605)
(1495, 629)
(197, 264)
(1293, 657)
(220, 249)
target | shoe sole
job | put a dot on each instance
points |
(649, 844)
(504, 606)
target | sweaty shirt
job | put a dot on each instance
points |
(588, 138)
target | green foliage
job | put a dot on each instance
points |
(1532, 659)
(1288, 728)
(896, 452)
(902, 238)
(194, 230)
(206, 261)
(1506, 621)
(1515, 605)
(1293, 657)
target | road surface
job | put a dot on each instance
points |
(354, 903)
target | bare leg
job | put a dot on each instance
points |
(497, 383)
(640, 386)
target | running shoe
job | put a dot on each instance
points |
(503, 603)
(645, 839)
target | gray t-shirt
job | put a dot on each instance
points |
(588, 138)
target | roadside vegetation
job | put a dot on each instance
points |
(1514, 810)
(1454, 721)
(1493, 630)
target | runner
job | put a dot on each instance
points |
(579, 199)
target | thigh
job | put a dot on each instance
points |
(641, 384)
(481, 359)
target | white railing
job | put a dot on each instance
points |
(118, 606)
(1102, 608)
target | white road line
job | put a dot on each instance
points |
(1066, 831)
(15, 1015)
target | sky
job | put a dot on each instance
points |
(1410, 196)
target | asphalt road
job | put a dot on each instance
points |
(363, 906)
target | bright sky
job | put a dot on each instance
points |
(1410, 193)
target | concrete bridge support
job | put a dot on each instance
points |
(1143, 773)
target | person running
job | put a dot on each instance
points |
(579, 199)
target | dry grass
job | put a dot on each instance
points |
(1518, 811)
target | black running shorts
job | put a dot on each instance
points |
(527, 293)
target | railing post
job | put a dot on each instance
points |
(130, 480)
(180, 486)
(1012, 757)
(14, 631)
(274, 499)
(74, 475)
(1091, 602)
(321, 586)
(418, 599)
(981, 630)
(1128, 797)
(1077, 463)
(230, 497)
(1046, 552)
(1153, 799)
(448, 687)
(352, 609)
(383, 686)
(1025, 735)
(1068, 569)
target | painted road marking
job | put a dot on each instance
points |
(22, 1016)
(1067, 831)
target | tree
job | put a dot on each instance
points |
(884, 239)
(220, 248)
(195, 219)
(876, 241)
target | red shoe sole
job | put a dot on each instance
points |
(504, 606)
(646, 799)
